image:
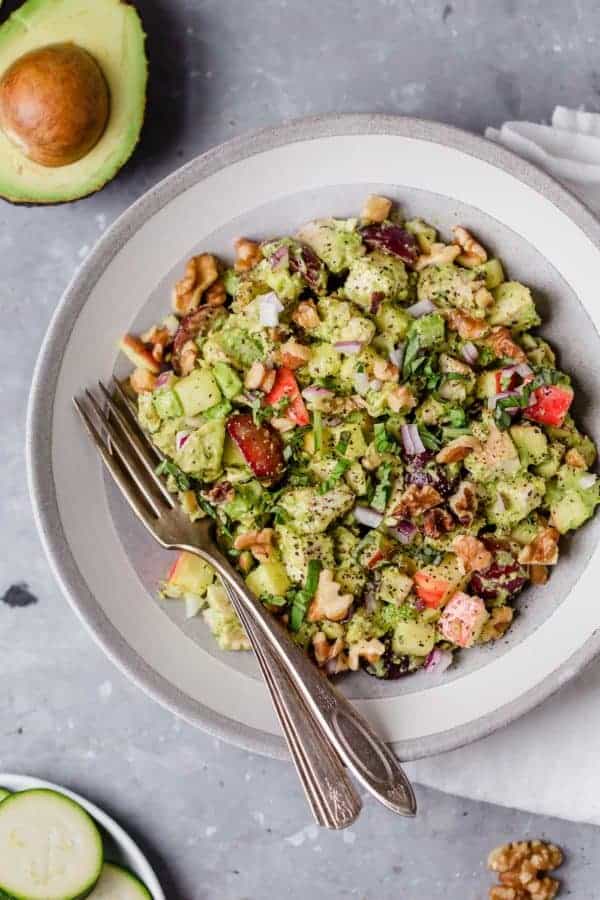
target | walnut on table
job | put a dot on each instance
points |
(519, 865)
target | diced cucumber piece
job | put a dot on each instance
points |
(4, 794)
(167, 404)
(198, 391)
(117, 883)
(413, 638)
(492, 271)
(50, 848)
(269, 577)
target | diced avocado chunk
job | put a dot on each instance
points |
(449, 285)
(551, 463)
(247, 504)
(375, 278)
(312, 512)
(431, 411)
(425, 234)
(429, 331)
(325, 361)
(167, 404)
(352, 433)
(202, 454)
(335, 241)
(287, 285)
(413, 638)
(164, 438)
(227, 379)
(298, 549)
(572, 497)
(510, 501)
(197, 391)
(394, 585)
(356, 477)
(232, 455)
(240, 346)
(148, 415)
(486, 385)
(498, 457)
(514, 307)
(222, 620)
(531, 442)
(340, 321)
(492, 271)
(392, 321)
(269, 577)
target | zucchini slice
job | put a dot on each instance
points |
(117, 883)
(50, 848)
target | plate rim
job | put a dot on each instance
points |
(122, 838)
(41, 400)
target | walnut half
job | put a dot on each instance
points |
(519, 865)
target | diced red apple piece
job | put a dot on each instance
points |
(260, 445)
(462, 619)
(431, 590)
(190, 574)
(138, 354)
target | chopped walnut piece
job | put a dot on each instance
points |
(282, 424)
(376, 209)
(200, 272)
(385, 371)
(439, 255)
(542, 550)
(158, 338)
(221, 492)
(538, 574)
(468, 327)
(259, 543)
(574, 458)
(187, 357)
(216, 295)
(137, 353)
(141, 381)
(501, 342)
(464, 503)
(473, 253)
(294, 354)
(254, 376)
(324, 650)
(497, 624)
(268, 381)
(437, 522)
(401, 399)
(458, 449)
(473, 555)
(306, 316)
(328, 603)
(417, 498)
(248, 254)
(370, 650)
(519, 866)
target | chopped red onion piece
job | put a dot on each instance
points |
(348, 347)
(492, 401)
(470, 353)
(269, 306)
(280, 258)
(164, 378)
(314, 392)
(588, 480)
(404, 531)
(368, 516)
(422, 308)
(411, 440)
(396, 355)
(180, 439)
(438, 661)
(523, 370)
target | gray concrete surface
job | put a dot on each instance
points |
(219, 823)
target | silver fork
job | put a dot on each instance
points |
(352, 738)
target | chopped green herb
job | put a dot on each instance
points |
(318, 430)
(168, 467)
(429, 438)
(301, 599)
(381, 494)
(384, 443)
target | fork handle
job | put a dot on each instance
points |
(367, 756)
(330, 793)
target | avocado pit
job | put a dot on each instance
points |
(54, 104)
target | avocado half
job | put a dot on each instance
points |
(111, 32)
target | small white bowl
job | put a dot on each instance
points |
(129, 854)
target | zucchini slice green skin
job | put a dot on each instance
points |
(117, 881)
(33, 868)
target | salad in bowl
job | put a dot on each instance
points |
(381, 436)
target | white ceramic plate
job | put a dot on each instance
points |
(123, 849)
(261, 185)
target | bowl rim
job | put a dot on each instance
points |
(140, 865)
(41, 402)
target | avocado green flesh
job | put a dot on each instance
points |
(111, 31)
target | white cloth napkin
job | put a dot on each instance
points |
(547, 761)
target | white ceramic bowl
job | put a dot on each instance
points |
(126, 851)
(260, 185)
